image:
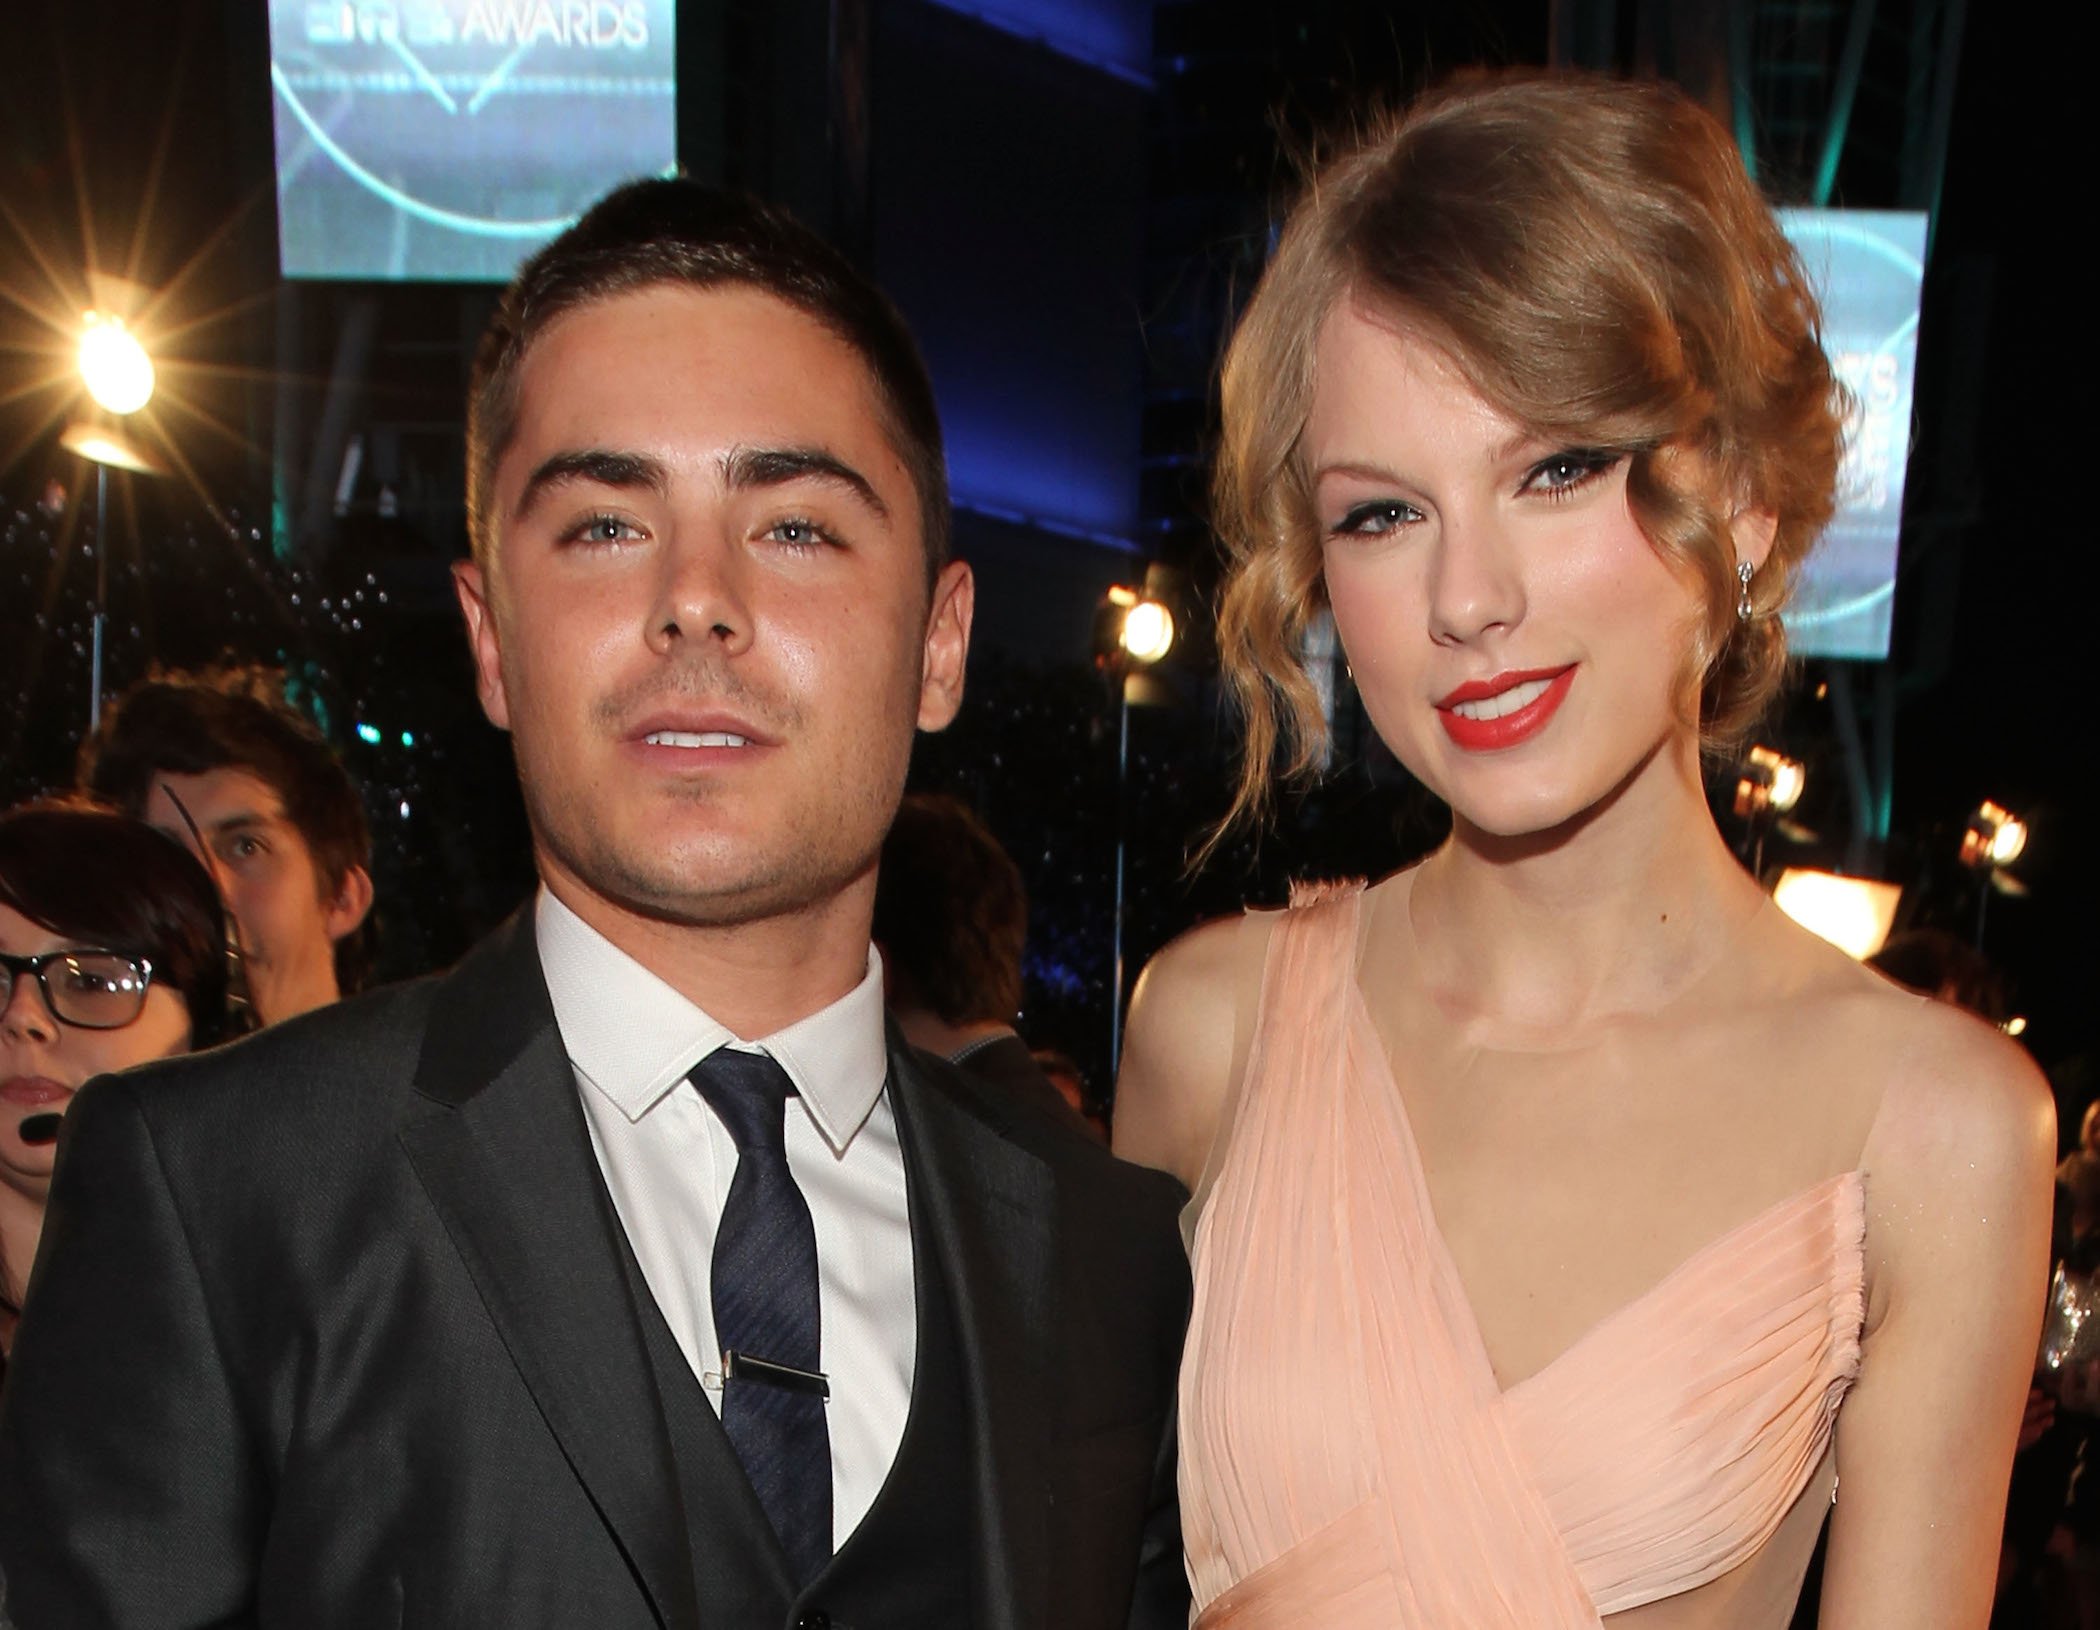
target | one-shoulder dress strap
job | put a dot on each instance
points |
(1319, 924)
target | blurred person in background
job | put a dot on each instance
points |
(220, 761)
(951, 920)
(111, 954)
(1070, 1081)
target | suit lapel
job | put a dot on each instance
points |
(988, 1208)
(501, 1146)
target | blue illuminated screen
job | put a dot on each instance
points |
(449, 139)
(1867, 267)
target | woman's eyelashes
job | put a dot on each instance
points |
(1559, 474)
(1374, 519)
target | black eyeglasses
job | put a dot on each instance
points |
(90, 990)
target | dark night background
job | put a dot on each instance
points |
(1066, 199)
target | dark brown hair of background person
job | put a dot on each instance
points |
(1936, 963)
(115, 883)
(951, 914)
(664, 231)
(1593, 258)
(236, 717)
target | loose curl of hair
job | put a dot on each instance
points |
(1592, 256)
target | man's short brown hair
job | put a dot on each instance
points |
(678, 231)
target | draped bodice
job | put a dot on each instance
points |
(1348, 1456)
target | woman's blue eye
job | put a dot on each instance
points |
(1564, 472)
(1373, 519)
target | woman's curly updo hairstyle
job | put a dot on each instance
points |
(1595, 260)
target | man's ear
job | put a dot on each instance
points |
(352, 901)
(947, 651)
(472, 588)
(1753, 530)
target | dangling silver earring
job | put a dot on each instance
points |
(1743, 573)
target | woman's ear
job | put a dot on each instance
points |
(1754, 530)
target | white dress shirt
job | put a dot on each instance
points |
(668, 1161)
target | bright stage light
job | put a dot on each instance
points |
(1769, 781)
(1148, 631)
(105, 444)
(113, 365)
(1995, 837)
(1853, 913)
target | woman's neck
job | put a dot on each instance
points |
(21, 1221)
(1614, 914)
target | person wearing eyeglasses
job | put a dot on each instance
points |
(112, 953)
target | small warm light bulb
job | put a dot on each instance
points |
(1788, 780)
(114, 366)
(2008, 842)
(1148, 631)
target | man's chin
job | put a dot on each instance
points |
(714, 891)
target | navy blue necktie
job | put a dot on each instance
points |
(765, 1299)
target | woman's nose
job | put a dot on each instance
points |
(1476, 585)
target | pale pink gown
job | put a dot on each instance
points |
(1348, 1459)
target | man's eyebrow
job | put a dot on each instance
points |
(599, 465)
(238, 820)
(747, 467)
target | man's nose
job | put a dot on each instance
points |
(702, 593)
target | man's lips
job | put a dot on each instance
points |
(34, 1091)
(710, 732)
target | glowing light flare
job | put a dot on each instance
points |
(113, 365)
(1148, 631)
(102, 444)
(1770, 780)
(1852, 913)
(1994, 837)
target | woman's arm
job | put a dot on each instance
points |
(1958, 1173)
(1179, 1050)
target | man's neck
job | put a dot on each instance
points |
(931, 1033)
(302, 992)
(753, 977)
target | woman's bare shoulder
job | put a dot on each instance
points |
(1957, 1095)
(1185, 1042)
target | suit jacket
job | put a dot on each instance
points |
(1005, 1063)
(331, 1328)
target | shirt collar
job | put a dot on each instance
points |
(633, 1038)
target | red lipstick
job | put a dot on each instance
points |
(1508, 729)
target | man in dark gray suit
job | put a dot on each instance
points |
(632, 1274)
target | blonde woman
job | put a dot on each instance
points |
(1572, 1232)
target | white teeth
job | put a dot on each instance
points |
(1493, 707)
(694, 738)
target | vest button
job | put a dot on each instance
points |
(815, 1619)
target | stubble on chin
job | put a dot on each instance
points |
(708, 880)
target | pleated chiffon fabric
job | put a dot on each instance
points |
(1348, 1457)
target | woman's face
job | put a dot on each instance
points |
(43, 1062)
(1518, 643)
